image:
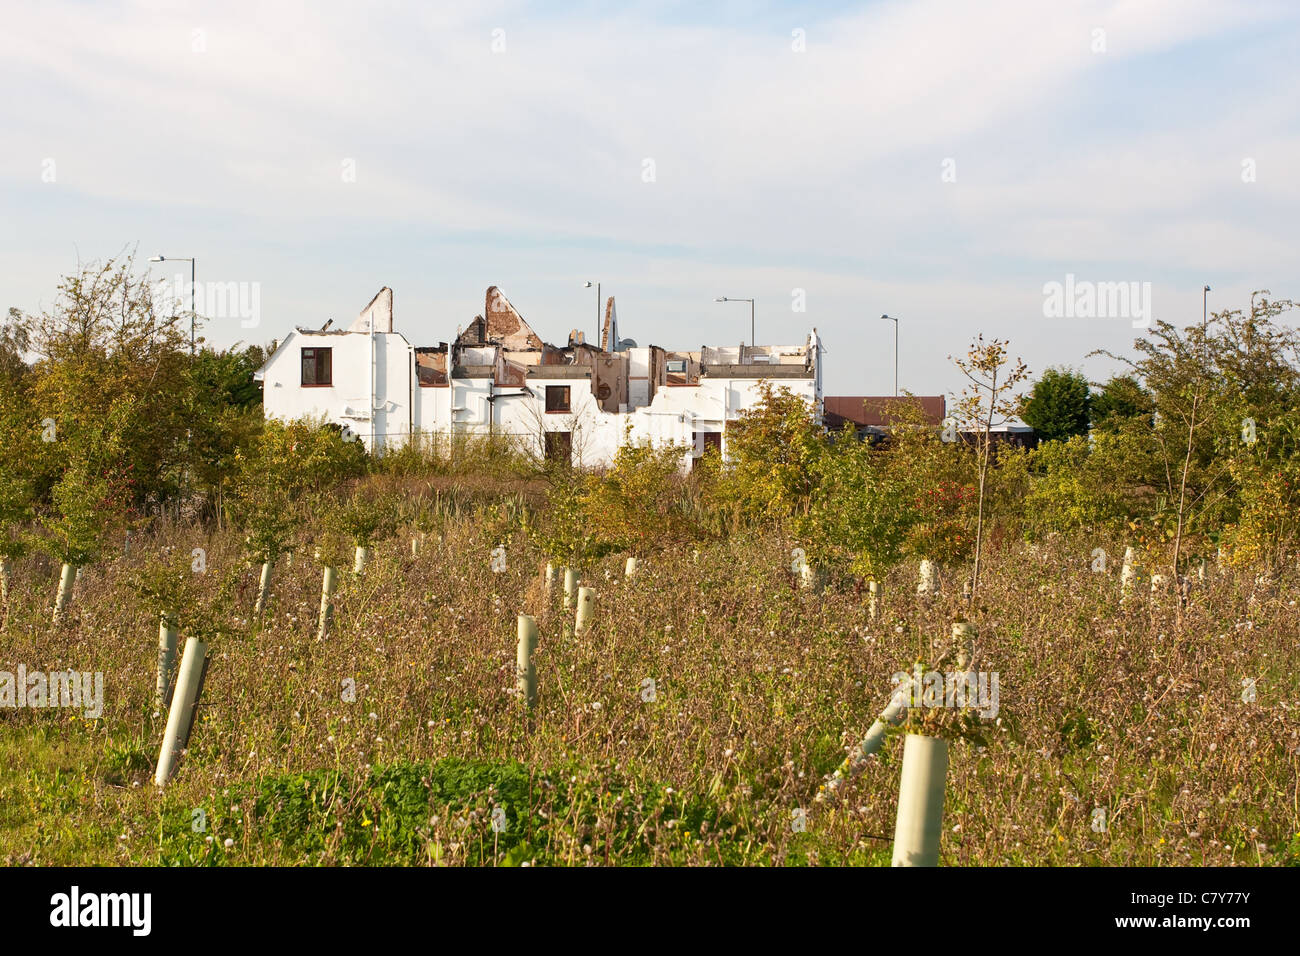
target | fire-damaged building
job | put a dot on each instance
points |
(577, 402)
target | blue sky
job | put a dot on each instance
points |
(220, 131)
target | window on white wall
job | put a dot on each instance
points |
(317, 367)
(557, 398)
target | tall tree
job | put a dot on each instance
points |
(224, 409)
(20, 450)
(1212, 385)
(110, 374)
(1120, 400)
(772, 449)
(1058, 405)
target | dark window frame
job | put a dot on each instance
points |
(558, 390)
(322, 366)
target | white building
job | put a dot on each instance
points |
(499, 378)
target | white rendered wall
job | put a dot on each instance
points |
(345, 402)
(462, 407)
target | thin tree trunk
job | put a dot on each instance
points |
(979, 529)
(984, 467)
(1182, 498)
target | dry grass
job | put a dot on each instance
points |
(759, 689)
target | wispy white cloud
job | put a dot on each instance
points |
(226, 128)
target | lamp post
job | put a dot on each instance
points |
(587, 285)
(1205, 333)
(191, 262)
(890, 318)
(723, 298)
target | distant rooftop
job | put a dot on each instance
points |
(880, 411)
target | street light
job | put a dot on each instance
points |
(890, 318)
(191, 262)
(587, 285)
(723, 298)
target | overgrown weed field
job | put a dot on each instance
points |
(1185, 737)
